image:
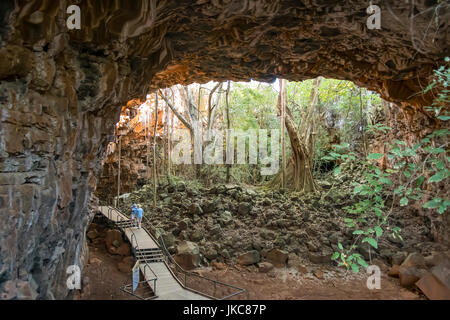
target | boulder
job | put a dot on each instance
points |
(196, 235)
(224, 253)
(211, 253)
(8, 291)
(279, 242)
(188, 255)
(323, 257)
(187, 247)
(410, 275)
(195, 208)
(394, 271)
(398, 258)
(25, 291)
(432, 288)
(209, 206)
(225, 218)
(113, 237)
(277, 257)
(414, 260)
(124, 250)
(256, 245)
(244, 208)
(248, 258)
(183, 224)
(318, 274)
(169, 239)
(293, 261)
(436, 258)
(267, 234)
(264, 267)
(188, 261)
(92, 234)
(215, 229)
(442, 273)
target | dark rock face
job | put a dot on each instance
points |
(61, 93)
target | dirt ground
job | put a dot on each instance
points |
(105, 279)
(289, 284)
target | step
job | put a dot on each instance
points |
(148, 250)
(126, 224)
(155, 257)
(149, 253)
(150, 260)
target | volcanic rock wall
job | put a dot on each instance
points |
(61, 91)
(135, 131)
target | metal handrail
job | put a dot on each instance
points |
(146, 265)
(185, 272)
(168, 257)
(154, 279)
(137, 246)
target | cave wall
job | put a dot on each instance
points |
(61, 92)
(135, 131)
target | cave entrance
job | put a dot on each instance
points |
(62, 91)
(342, 110)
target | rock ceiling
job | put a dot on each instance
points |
(169, 42)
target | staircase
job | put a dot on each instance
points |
(149, 255)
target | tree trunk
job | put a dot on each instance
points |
(298, 170)
(228, 174)
(154, 151)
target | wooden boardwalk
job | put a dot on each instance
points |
(167, 287)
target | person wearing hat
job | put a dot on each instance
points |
(134, 208)
(139, 215)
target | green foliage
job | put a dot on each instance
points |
(411, 167)
(441, 83)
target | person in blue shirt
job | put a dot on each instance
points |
(139, 215)
(134, 208)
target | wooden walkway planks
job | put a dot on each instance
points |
(144, 241)
(167, 287)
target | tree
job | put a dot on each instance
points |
(298, 172)
(228, 129)
(192, 116)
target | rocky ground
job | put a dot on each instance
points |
(248, 226)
